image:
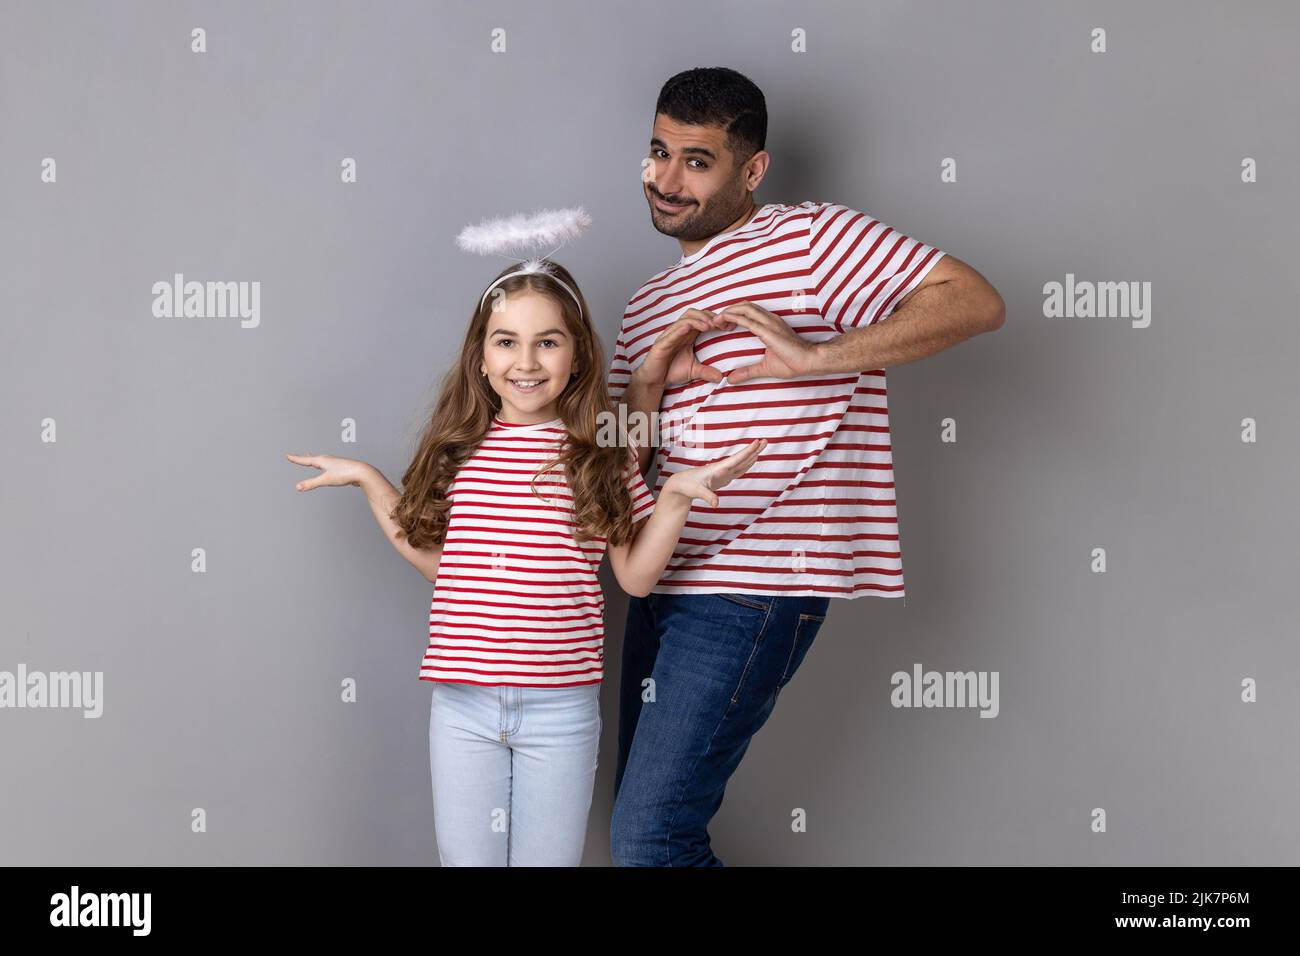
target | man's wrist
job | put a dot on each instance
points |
(830, 357)
(641, 381)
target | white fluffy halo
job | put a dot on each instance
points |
(524, 233)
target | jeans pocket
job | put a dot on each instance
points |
(804, 632)
(746, 600)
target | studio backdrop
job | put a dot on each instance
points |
(1096, 504)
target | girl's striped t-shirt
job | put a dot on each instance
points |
(816, 514)
(516, 599)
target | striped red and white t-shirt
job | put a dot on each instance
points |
(516, 600)
(816, 514)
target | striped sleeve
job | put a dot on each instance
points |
(620, 370)
(643, 500)
(861, 267)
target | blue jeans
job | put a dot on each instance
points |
(513, 770)
(718, 662)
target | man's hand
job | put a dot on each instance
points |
(787, 356)
(671, 360)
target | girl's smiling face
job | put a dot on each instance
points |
(528, 357)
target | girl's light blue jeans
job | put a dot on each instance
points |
(513, 770)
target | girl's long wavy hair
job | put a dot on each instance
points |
(597, 475)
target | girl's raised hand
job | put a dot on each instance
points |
(334, 471)
(703, 480)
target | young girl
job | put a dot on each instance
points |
(508, 507)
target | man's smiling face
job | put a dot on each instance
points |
(693, 184)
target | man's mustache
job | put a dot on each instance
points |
(675, 202)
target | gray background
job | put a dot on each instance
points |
(1118, 690)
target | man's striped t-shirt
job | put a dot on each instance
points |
(816, 514)
(516, 599)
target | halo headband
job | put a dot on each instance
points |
(528, 268)
(526, 233)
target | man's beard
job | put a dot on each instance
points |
(702, 222)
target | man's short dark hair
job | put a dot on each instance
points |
(717, 96)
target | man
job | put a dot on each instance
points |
(771, 325)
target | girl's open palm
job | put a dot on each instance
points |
(334, 471)
(703, 480)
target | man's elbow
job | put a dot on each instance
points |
(996, 312)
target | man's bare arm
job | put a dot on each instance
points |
(670, 361)
(952, 304)
(644, 397)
